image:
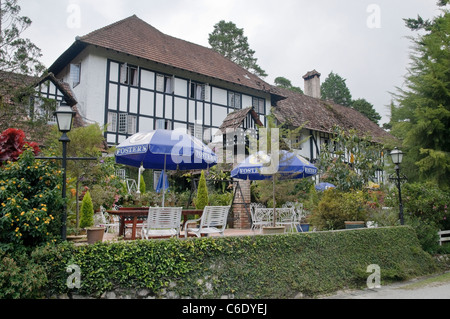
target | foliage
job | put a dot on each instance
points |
(366, 108)
(425, 201)
(350, 161)
(20, 276)
(421, 118)
(87, 211)
(202, 193)
(335, 207)
(286, 84)
(16, 53)
(229, 40)
(31, 200)
(239, 267)
(142, 185)
(12, 144)
(334, 88)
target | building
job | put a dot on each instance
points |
(131, 77)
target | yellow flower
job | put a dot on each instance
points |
(22, 213)
(37, 218)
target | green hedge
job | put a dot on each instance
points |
(244, 267)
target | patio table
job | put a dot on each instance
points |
(134, 215)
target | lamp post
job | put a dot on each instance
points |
(64, 117)
(397, 158)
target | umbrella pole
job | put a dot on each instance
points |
(164, 182)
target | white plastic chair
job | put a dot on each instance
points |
(213, 220)
(105, 221)
(162, 222)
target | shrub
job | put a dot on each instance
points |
(202, 193)
(336, 207)
(31, 201)
(87, 211)
(244, 267)
(142, 185)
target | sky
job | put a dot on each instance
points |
(366, 42)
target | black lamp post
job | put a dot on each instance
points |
(397, 158)
(64, 117)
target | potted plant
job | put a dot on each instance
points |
(354, 208)
(94, 234)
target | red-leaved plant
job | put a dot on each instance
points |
(12, 144)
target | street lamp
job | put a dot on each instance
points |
(397, 158)
(64, 117)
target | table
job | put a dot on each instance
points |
(136, 214)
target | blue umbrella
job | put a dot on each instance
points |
(290, 166)
(162, 181)
(261, 166)
(165, 149)
(323, 186)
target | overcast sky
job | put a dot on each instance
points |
(364, 41)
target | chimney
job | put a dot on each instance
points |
(312, 84)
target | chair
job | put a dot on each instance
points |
(105, 221)
(299, 213)
(213, 220)
(286, 216)
(261, 216)
(162, 222)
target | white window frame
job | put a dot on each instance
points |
(112, 121)
(234, 100)
(75, 74)
(165, 83)
(127, 76)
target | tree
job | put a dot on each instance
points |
(335, 89)
(422, 117)
(229, 40)
(87, 211)
(282, 82)
(19, 68)
(17, 55)
(202, 193)
(364, 107)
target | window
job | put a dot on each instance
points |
(162, 124)
(129, 75)
(131, 124)
(112, 122)
(122, 123)
(75, 74)
(164, 83)
(199, 91)
(258, 104)
(234, 100)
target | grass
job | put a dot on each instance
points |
(440, 279)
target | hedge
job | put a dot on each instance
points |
(280, 266)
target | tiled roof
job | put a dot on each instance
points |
(319, 115)
(135, 37)
(235, 119)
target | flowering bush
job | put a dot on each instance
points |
(12, 144)
(30, 200)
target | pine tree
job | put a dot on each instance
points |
(422, 117)
(202, 193)
(335, 89)
(87, 211)
(229, 40)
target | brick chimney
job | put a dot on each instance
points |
(312, 84)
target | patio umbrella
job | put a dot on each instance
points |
(324, 186)
(290, 166)
(165, 150)
(162, 181)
